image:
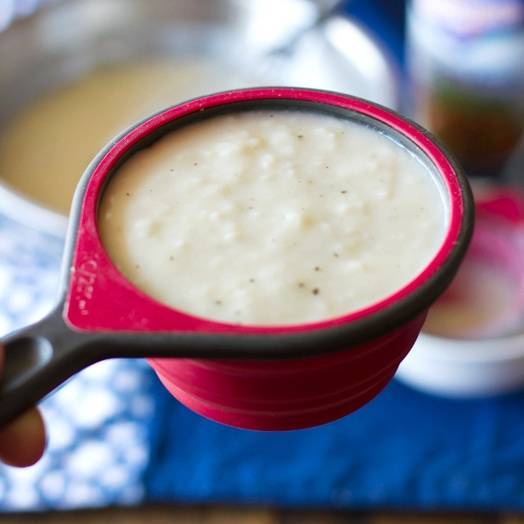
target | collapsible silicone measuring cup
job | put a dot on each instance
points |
(269, 378)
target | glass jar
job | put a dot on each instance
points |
(466, 67)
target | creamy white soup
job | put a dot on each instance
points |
(272, 218)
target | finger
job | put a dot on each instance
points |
(22, 443)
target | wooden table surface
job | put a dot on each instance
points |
(223, 515)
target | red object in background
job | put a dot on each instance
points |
(504, 204)
(486, 299)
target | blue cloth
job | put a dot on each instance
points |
(385, 20)
(403, 450)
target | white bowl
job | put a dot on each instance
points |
(464, 368)
(481, 365)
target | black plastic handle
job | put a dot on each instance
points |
(41, 357)
(37, 359)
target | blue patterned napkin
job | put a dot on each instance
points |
(98, 422)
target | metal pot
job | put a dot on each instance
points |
(67, 39)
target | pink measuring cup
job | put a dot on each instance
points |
(265, 378)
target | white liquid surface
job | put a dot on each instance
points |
(48, 145)
(272, 218)
(482, 301)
